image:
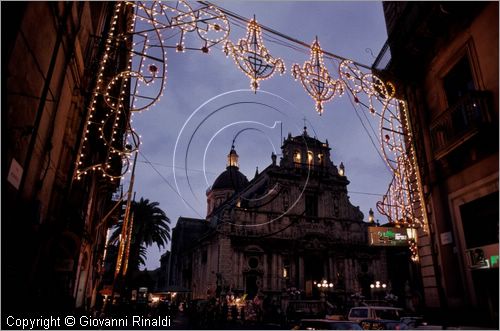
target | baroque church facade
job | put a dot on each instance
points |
(290, 227)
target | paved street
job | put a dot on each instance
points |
(181, 322)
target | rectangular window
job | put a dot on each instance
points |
(458, 81)
(311, 205)
(359, 313)
(480, 221)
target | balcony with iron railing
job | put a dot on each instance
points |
(384, 58)
(460, 122)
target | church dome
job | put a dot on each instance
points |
(232, 178)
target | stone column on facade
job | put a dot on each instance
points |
(236, 268)
(300, 285)
(273, 272)
(325, 269)
(331, 274)
(356, 287)
(265, 277)
(241, 280)
(225, 261)
(383, 263)
(346, 274)
(334, 267)
(357, 271)
(353, 274)
(279, 275)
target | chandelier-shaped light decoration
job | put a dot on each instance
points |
(252, 56)
(316, 79)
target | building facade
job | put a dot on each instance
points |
(52, 231)
(289, 228)
(444, 59)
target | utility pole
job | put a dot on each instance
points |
(125, 235)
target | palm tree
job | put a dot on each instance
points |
(151, 226)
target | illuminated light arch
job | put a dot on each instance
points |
(141, 84)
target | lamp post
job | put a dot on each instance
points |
(412, 241)
(377, 288)
(323, 286)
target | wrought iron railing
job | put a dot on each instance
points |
(460, 122)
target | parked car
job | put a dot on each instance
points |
(413, 321)
(298, 310)
(324, 324)
(378, 324)
(382, 303)
(358, 314)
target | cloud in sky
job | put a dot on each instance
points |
(347, 29)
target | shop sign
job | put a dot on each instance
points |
(483, 257)
(387, 236)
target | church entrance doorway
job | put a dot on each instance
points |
(314, 271)
(251, 285)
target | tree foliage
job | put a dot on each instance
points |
(150, 226)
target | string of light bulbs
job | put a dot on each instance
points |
(117, 96)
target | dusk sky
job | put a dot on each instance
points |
(207, 102)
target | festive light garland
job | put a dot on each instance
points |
(316, 79)
(402, 204)
(96, 110)
(139, 86)
(252, 57)
(208, 21)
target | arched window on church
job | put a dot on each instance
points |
(310, 158)
(297, 158)
(321, 159)
(286, 269)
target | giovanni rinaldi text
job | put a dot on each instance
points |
(70, 321)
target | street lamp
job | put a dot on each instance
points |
(378, 287)
(323, 286)
(412, 241)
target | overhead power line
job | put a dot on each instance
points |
(168, 183)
